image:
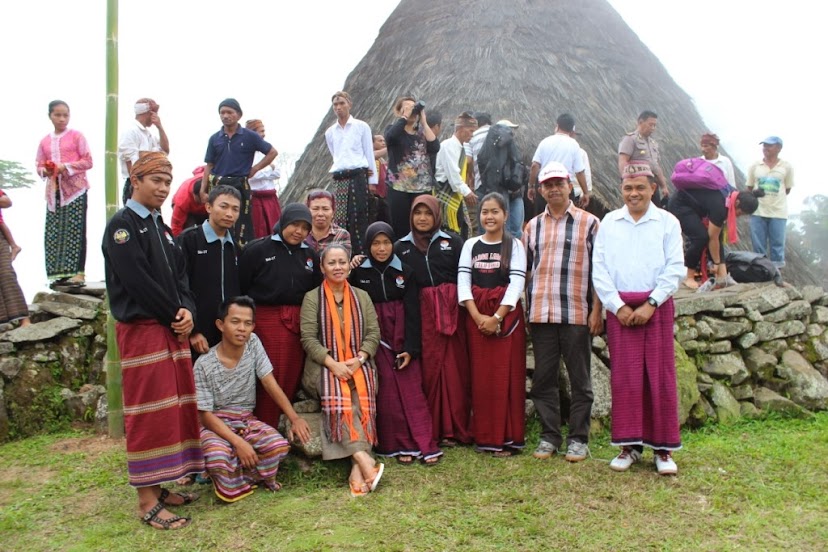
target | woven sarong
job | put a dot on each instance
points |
(278, 330)
(403, 418)
(231, 480)
(446, 377)
(353, 205)
(455, 217)
(12, 301)
(643, 378)
(498, 375)
(266, 210)
(65, 238)
(160, 413)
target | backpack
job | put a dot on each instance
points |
(749, 267)
(499, 161)
(698, 174)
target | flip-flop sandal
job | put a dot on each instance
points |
(407, 462)
(358, 491)
(433, 461)
(447, 443)
(188, 498)
(375, 481)
(166, 524)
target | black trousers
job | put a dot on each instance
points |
(551, 343)
(399, 204)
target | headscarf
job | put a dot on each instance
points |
(145, 105)
(423, 239)
(151, 162)
(254, 124)
(232, 104)
(293, 212)
(636, 169)
(374, 230)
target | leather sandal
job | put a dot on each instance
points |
(188, 498)
(166, 524)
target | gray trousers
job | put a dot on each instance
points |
(551, 342)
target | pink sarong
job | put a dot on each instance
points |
(643, 378)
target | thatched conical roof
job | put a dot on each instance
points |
(527, 61)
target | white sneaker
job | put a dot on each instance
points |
(576, 452)
(627, 458)
(665, 465)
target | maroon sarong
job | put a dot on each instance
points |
(160, 414)
(278, 330)
(266, 211)
(498, 375)
(403, 418)
(446, 377)
(643, 378)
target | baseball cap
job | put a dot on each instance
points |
(508, 123)
(772, 140)
(553, 169)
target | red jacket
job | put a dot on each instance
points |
(185, 204)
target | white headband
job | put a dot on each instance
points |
(141, 108)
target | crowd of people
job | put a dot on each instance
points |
(401, 301)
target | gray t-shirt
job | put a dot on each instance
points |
(219, 387)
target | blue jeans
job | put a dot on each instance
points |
(764, 230)
(515, 208)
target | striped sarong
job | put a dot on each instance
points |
(65, 238)
(231, 480)
(160, 413)
(12, 302)
(498, 375)
(643, 378)
(266, 210)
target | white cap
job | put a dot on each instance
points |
(553, 169)
(507, 122)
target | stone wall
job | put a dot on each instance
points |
(52, 371)
(739, 351)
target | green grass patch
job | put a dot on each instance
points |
(755, 485)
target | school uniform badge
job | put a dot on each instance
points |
(444, 245)
(121, 236)
(400, 281)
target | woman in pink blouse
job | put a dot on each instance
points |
(62, 161)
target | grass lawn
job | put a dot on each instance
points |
(757, 485)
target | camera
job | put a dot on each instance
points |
(417, 107)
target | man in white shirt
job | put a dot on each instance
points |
(560, 147)
(138, 138)
(351, 144)
(452, 190)
(638, 263)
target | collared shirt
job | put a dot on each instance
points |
(336, 234)
(643, 255)
(775, 181)
(135, 139)
(273, 273)
(561, 148)
(476, 144)
(351, 146)
(211, 236)
(559, 252)
(233, 155)
(448, 165)
(726, 165)
(266, 179)
(641, 148)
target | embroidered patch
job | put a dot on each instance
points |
(309, 264)
(400, 281)
(121, 236)
(444, 245)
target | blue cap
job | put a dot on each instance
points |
(772, 140)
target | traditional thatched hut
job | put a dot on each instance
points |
(527, 61)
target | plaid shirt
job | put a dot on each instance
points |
(336, 234)
(559, 266)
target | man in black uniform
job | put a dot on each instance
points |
(150, 299)
(211, 264)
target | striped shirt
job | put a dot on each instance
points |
(559, 266)
(219, 387)
(336, 234)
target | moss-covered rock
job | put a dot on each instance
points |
(688, 390)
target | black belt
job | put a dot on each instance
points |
(349, 173)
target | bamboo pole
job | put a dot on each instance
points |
(115, 401)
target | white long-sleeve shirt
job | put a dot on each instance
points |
(642, 255)
(448, 166)
(352, 147)
(135, 139)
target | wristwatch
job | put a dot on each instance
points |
(361, 359)
(652, 302)
(498, 317)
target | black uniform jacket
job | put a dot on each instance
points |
(440, 263)
(272, 273)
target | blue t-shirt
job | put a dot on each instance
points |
(233, 156)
